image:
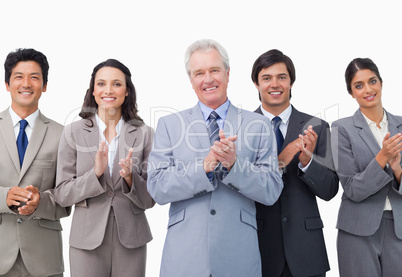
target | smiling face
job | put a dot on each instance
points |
(274, 87)
(110, 90)
(367, 89)
(209, 78)
(26, 87)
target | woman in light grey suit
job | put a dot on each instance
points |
(366, 151)
(107, 184)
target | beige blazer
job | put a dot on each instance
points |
(37, 237)
(93, 198)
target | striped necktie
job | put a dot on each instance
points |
(213, 128)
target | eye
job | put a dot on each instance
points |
(100, 84)
(374, 81)
(358, 86)
(118, 84)
(266, 78)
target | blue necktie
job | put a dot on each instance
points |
(213, 128)
(22, 140)
(276, 121)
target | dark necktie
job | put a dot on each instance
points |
(276, 121)
(22, 140)
(213, 128)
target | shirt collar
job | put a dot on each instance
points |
(383, 123)
(285, 115)
(221, 110)
(15, 118)
(102, 126)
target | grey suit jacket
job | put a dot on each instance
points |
(38, 236)
(365, 183)
(93, 198)
(212, 227)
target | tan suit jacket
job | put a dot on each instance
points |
(37, 237)
(93, 198)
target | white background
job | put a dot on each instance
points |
(150, 37)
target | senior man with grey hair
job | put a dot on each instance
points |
(211, 162)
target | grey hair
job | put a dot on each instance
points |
(205, 45)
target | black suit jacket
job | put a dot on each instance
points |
(291, 229)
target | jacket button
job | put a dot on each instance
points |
(213, 212)
(284, 219)
(19, 220)
(110, 193)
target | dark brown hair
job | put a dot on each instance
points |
(129, 109)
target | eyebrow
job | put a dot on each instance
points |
(280, 74)
(21, 73)
(112, 80)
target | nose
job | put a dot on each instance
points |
(26, 82)
(274, 82)
(208, 78)
(108, 89)
(368, 88)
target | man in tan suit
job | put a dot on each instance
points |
(30, 241)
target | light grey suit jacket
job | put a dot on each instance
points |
(365, 183)
(93, 198)
(38, 236)
(212, 226)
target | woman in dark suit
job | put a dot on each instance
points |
(366, 151)
(102, 170)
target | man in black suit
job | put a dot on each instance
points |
(290, 233)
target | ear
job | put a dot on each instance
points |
(7, 87)
(44, 88)
(228, 74)
(257, 86)
(126, 93)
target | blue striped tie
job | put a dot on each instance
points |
(213, 128)
(22, 141)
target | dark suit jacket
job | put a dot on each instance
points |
(291, 229)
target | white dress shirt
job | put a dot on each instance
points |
(15, 118)
(114, 143)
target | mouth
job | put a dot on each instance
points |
(108, 99)
(211, 88)
(275, 93)
(370, 98)
(26, 92)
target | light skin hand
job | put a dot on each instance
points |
(101, 159)
(309, 141)
(287, 154)
(32, 203)
(225, 150)
(16, 195)
(212, 159)
(391, 146)
(127, 168)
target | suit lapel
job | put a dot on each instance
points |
(7, 129)
(233, 121)
(393, 124)
(35, 142)
(127, 139)
(92, 140)
(295, 127)
(196, 123)
(365, 133)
